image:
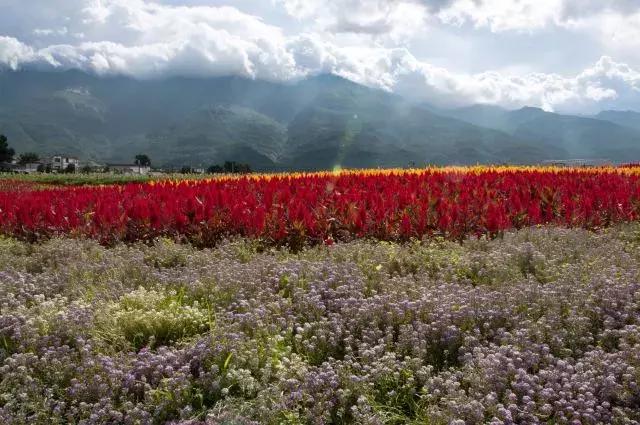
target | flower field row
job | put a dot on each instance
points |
(538, 327)
(14, 185)
(312, 208)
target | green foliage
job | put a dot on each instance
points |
(215, 169)
(142, 160)
(6, 153)
(148, 317)
(167, 254)
(90, 179)
(230, 167)
(28, 158)
(221, 133)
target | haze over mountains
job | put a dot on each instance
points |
(316, 123)
(611, 135)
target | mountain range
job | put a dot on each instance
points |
(317, 123)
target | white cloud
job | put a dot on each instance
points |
(145, 39)
(394, 18)
(572, 9)
(500, 15)
(391, 16)
(619, 33)
(604, 81)
(608, 69)
(50, 31)
(399, 71)
(13, 53)
(613, 22)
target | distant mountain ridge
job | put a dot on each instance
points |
(316, 123)
(604, 136)
(625, 118)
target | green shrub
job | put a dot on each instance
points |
(148, 317)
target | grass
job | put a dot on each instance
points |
(95, 179)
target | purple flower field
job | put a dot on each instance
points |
(539, 327)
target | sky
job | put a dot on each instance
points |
(577, 56)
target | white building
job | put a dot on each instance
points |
(61, 163)
(592, 162)
(129, 169)
(28, 168)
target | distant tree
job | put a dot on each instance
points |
(41, 168)
(230, 167)
(235, 167)
(215, 169)
(71, 168)
(86, 169)
(28, 158)
(143, 160)
(6, 153)
(186, 170)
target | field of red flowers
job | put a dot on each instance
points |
(297, 209)
(538, 326)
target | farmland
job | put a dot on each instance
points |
(540, 326)
(441, 296)
(305, 209)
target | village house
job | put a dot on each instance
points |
(129, 169)
(90, 166)
(29, 168)
(59, 163)
(6, 167)
(593, 162)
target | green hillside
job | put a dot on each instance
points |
(316, 123)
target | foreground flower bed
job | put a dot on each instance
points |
(296, 210)
(540, 326)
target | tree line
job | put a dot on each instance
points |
(7, 154)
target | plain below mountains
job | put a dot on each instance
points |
(317, 123)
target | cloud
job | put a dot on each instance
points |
(389, 16)
(605, 81)
(144, 39)
(572, 9)
(499, 15)
(619, 33)
(394, 18)
(13, 53)
(532, 15)
(397, 70)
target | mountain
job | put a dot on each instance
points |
(215, 132)
(355, 126)
(567, 136)
(315, 123)
(629, 119)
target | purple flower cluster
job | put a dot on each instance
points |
(540, 326)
